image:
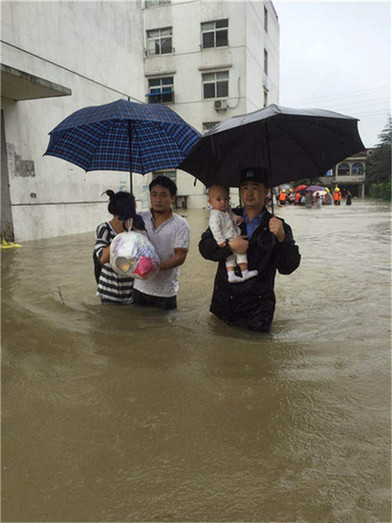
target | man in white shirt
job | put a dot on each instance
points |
(170, 235)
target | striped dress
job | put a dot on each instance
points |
(111, 286)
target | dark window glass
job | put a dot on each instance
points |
(152, 3)
(166, 45)
(167, 97)
(208, 125)
(357, 168)
(221, 38)
(155, 99)
(209, 90)
(222, 88)
(208, 40)
(221, 23)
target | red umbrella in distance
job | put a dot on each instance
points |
(300, 188)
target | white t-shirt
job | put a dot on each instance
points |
(171, 236)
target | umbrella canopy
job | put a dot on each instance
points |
(123, 136)
(314, 188)
(291, 143)
(300, 188)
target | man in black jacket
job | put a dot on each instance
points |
(270, 246)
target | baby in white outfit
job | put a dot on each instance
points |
(224, 226)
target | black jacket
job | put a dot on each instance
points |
(251, 304)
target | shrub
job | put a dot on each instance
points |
(380, 191)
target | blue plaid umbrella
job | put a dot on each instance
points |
(123, 136)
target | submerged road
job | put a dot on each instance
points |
(112, 413)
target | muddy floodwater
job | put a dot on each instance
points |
(113, 413)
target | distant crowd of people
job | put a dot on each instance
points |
(314, 198)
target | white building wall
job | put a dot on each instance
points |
(243, 58)
(272, 42)
(88, 47)
(96, 50)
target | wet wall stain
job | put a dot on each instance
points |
(17, 165)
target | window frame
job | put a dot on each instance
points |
(214, 32)
(354, 169)
(155, 3)
(345, 165)
(169, 173)
(215, 82)
(159, 95)
(157, 41)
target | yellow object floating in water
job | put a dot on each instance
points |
(9, 245)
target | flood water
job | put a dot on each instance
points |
(113, 413)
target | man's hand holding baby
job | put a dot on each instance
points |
(239, 245)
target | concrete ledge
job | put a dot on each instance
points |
(18, 85)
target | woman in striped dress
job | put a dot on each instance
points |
(113, 288)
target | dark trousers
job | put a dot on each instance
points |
(159, 302)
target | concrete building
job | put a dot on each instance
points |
(207, 60)
(349, 174)
(58, 57)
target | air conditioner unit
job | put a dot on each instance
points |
(221, 105)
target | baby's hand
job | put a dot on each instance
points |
(223, 244)
(239, 219)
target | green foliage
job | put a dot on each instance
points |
(378, 168)
(381, 191)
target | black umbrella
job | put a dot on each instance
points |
(290, 143)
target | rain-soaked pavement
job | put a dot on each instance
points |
(111, 413)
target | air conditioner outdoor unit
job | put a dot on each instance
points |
(221, 105)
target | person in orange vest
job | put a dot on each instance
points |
(297, 198)
(337, 196)
(282, 197)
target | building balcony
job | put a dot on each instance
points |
(343, 179)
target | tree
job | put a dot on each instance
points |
(378, 168)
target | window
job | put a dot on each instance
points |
(343, 169)
(208, 125)
(215, 85)
(265, 102)
(265, 19)
(152, 3)
(265, 61)
(160, 90)
(214, 34)
(159, 41)
(169, 174)
(357, 169)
